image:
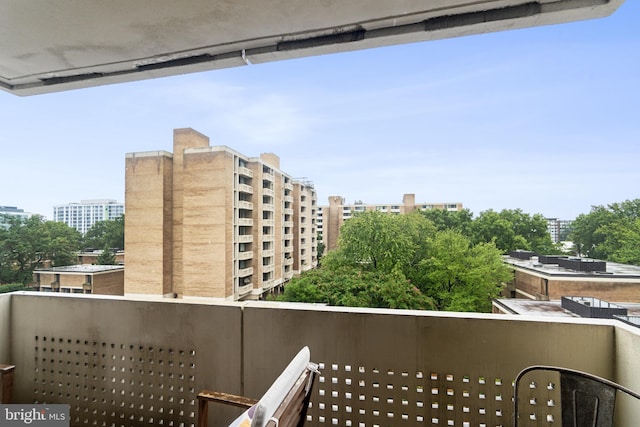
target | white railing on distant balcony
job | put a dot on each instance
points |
(245, 222)
(243, 272)
(245, 255)
(245, 205)
(124, 362)
(245, 238)
(268, 192)
(245, 289)
(245, 171)
(245, 188)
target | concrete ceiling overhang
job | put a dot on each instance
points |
(48, 46)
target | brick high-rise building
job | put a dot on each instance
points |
(210, 222)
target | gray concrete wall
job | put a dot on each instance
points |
(375, 354)
(115, 357)
(127, 362)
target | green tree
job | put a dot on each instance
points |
(350, 287)
(609, 233)
(60, 243)
(376, 241)
(25, 243)
(447, 220)
(109, 233)
(460, 276)
(512, 229)
(107, 257)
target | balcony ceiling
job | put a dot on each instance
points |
(48, 46)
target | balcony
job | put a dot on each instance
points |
(246, 222)
(245, 172)
(243, 272)
(244, 188)
(268, 192)
(245, 289)
(124, 362)
(245, 205)
(245, 238)
(245, 255)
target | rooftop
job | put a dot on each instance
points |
(613, 269)
(80, 268)
(551, 308)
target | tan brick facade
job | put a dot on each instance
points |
(231, 220)
(83, 279)
(538, 281)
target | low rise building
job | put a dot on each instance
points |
(540, 277)
(331, 217)
(81, 279)
(91, 256)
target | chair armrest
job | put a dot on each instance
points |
(226, 398)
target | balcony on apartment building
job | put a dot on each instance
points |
(244, 171)
(244, 188)
(122, 362)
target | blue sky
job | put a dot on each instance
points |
(544, 119)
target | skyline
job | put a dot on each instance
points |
(539, 119)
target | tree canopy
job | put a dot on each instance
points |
(26, 242)
(609, 233)
(512, 229)
(108, 233)
(403, 261)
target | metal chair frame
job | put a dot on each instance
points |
(572, 381)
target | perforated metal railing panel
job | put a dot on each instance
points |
(116, 384)
(364, 396)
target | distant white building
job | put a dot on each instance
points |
(83, 215)
(13, 211)
(558, 228)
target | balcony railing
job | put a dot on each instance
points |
(245, 171)
(245, 238)
(122, 362)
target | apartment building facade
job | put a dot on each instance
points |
(11, 211)
(558, 228)
(213, 223)
(331, 217)
(82, 216)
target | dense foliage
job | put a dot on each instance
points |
(108, 233)
(403, 261)
(609, 233)
(107, 257)
(26, 242)
(11, 287)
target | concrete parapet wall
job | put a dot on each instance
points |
(108, 356)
